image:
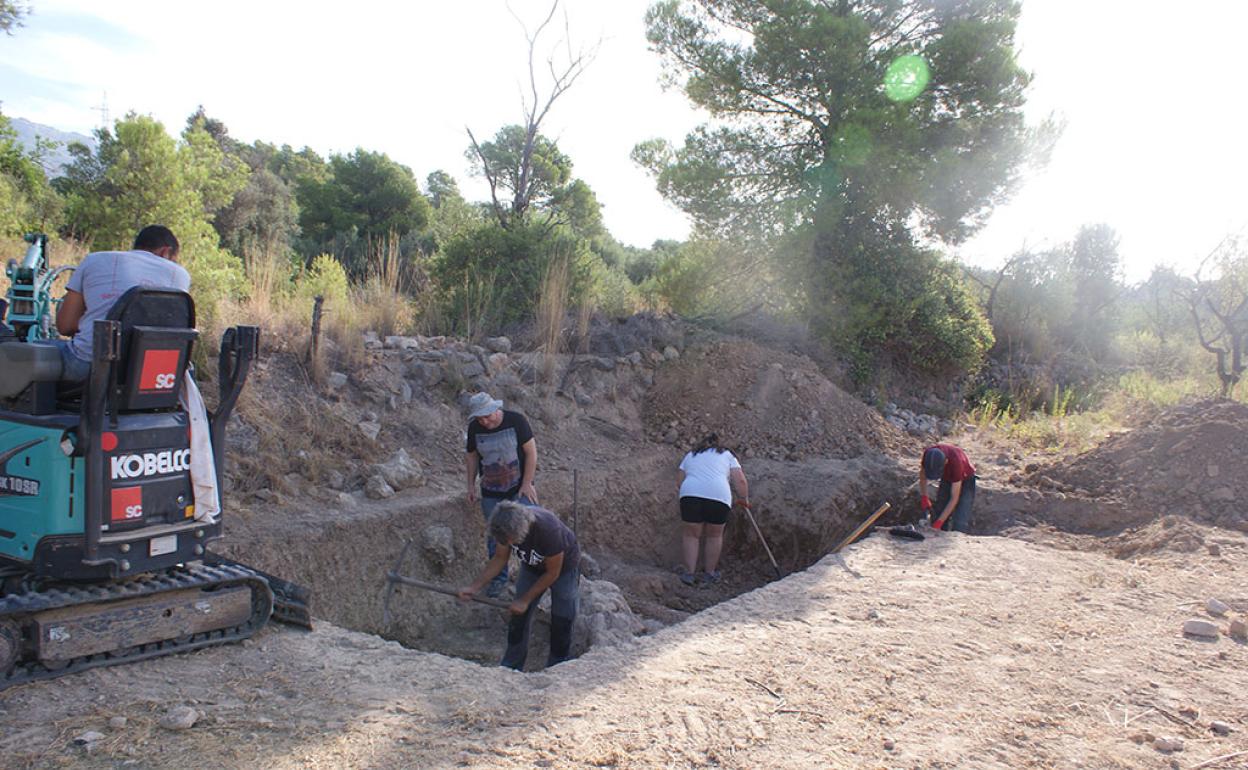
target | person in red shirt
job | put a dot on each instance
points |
(956, 494)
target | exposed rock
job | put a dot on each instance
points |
(377, 489)
(404, 393)
(336, 380)
(634, 358)
(589, 565)
(402, 343)
(670, 353)
(87, 738)
(498, 344)
(370, 429)
(604, 616)
(346, 500)
(1220, 728)
(179, 718)
(117, 723)
(1201, 628)
(438, 543)
(1217, 607)
(603, 364)
(1239, 630)
(1215, 549)
(498, 362)
(472, 369)
(426, 373)
(1168, 743)
(400, 471)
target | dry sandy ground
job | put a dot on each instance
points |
(957, 652)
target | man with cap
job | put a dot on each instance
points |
(501, 450)
(957, 487)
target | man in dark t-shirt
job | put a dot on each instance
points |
(956, 495)
(501, 451)
(549, 558)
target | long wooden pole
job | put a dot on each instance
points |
(762, 539)
(863, 526)
(394, 577)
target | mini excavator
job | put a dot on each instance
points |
(103, 559)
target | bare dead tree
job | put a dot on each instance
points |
(997, 280)
(1219, 309)
(535, 105)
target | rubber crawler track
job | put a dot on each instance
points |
(20, 607)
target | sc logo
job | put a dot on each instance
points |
(165, 381)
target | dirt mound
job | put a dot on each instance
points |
(1189, 461)
(762, 403)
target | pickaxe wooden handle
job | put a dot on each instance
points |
(863, 526)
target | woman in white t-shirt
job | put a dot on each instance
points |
(708, 476)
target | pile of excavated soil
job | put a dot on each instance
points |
(1190, 461)
(762, 403)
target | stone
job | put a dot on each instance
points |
(1220, 728)
(336, 380)
(670, 353)
(377, 489)
(371, 339)
(583, 399)
(1223, 495)
(347, 500)
(1168, 743)
(498, 344)
(401, 343)
(604, 617)
(1201, 628)
(400, 471)
(116, 723)
(179, 718)
(370, 429)
(426, 373)
(603, 364)
(1214, 549)
(589, 565)
(404, 392)
(437, 541)
(634, 358)
(472, 369)
(889, 745)
(1239, 630)
(1217, 608)
(335, 479)
(87, 738)
(1211, 470)
(498, 362)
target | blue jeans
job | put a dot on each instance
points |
(499, 583)
(960, 519)
(565, 599)
(73, 368)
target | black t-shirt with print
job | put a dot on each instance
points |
(548, 536)
(499, 459)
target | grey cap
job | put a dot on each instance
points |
(482, 404)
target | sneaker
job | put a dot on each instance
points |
(711, 577)
(686, 577)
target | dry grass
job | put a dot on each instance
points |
(552, 306)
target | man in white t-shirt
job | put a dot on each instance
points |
(708, 476)
(99, 282)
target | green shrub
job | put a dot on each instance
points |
(491, 277)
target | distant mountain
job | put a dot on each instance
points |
(56, 159)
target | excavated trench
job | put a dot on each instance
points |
(629, 528)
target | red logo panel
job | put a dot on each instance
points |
(127, 504)
(160, 370)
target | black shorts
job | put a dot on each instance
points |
(699, 510)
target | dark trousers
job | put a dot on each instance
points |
(960, 519)
(565, 599)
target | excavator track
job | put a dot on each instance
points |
(68, 628)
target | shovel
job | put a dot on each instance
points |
(761, 539)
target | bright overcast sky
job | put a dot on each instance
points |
(1152, 100)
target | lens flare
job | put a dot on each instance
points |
(906, 78)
